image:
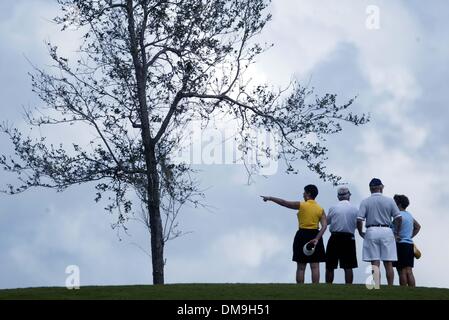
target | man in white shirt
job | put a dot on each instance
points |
(379, 243)
(342, 219)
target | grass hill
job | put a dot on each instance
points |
(229, 292)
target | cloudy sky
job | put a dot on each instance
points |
(399, 72)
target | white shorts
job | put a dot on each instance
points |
(379, 244)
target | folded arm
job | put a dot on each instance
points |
(416, 228)
(397, 223)
(360, 228)
(323, 222)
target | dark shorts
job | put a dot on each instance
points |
(301, 238)
(406, 256)
(341, 248)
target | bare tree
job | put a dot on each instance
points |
(146, 69)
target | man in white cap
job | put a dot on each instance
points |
(379, 243)
(342, 219)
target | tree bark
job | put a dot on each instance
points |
(156, 231)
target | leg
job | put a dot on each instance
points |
(315, 268)
(398, 271)
(349, 276)
(375, 265)
(329, 276)
(402, 276)
(389, 271)
(331, 259)
(410, 277)
(300, 270)
(348, 258)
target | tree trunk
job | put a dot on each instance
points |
(156, 231)
(157, 235)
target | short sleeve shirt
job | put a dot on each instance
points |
(309, 214)
(378, 210)
(342, 217)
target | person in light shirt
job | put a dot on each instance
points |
(342, 222)
(404, 243)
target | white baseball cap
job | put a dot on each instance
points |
(343, 191)
(308, 249)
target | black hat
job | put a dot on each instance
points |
(375, 182)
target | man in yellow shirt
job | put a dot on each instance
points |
(310, 214)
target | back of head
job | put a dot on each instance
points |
(376, 185)
(311, 190)
(376, 189)
(401, 201)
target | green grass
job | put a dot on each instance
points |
(228, 291)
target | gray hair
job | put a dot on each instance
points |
(343, 193)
